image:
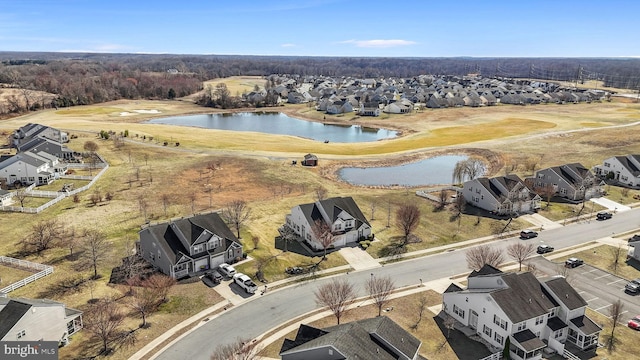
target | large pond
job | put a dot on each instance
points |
(281, 124)
(433, 171)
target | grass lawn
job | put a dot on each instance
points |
(603, 257)
(621, 195)
(557, 211)
(626, 347)
(58, 184)
(10, 274)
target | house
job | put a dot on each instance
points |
(5, 198)
(502, 195)
(26, 168)
(532, 313)
(623, 169)
(37, 320)
(32, 131)
(310, 160)
(571, 181)
(399, 107)
(377, 338)
(341, 214)
(369, 109)
(634, 250)
(183, 247)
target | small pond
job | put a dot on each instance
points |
(281, 124)
(433, 171)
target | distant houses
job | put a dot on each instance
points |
(624, 170)
(501, 195)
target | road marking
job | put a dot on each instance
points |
(595, 298)
(600, 277)
(590, 271)
(602, 307)
(613, 282)
(581, 292)
(622, 313)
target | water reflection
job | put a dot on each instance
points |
(433, 171)
(281, 124)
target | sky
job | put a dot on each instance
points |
(374, 28)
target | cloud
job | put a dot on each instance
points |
(381, 43)
(288, 45)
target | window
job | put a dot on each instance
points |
(539, 319)
(523, 325)
(198, 248)
(21, 334)
(159, 255)
(470, 188)
(458, 311)
(498, 338)
(558, 334)
(552, 313)
(606, 164)
(338, 226)
(499, 322)
(487, 330)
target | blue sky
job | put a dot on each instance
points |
(424, 28)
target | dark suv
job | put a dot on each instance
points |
(603, 215)
(635, 237)
(528, 234)
(573, 262)
(543, 249)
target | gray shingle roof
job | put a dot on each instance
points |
(566, 293)
(10, 315)
(523, 299)
(528, 341)
(586, 325)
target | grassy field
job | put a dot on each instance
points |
(10, 274)
(256, 168)
(603, 257)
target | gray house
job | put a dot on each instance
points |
(180, 248)
(571, 181)
(32, 131)
(377, 338)
(37, 320)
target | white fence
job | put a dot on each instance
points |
(57, 196)
(494, 356)
(44, 271)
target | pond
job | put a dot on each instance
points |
(433, 171)
(280, 124)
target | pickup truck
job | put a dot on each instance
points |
(245, 282)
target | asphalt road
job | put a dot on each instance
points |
(255, 317)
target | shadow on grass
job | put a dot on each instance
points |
(462, 346)
(396, 247)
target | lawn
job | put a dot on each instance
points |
(603, 257)
(10, 274)
(626, 347)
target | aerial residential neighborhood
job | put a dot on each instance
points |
(311, 180)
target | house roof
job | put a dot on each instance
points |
(528, 341)
(556, 324)
(10, 314)
(523, 299)
(586, 325)
(453, 288)
(364, 339)
(624, 160)
(485, 270)
(565, 293)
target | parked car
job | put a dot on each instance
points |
(215, 277)
(603, 215)
(528, 234)
(573, 262)
(226, 269)
(633, 286)
(245, 282)
(543, 249)
(635, 237)
(634, 323)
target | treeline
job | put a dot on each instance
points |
(85, 78)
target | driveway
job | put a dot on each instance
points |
(610, 204)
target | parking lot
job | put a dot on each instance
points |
(600, 289)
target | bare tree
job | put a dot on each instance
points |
(241, 349)
(69, 241)
(236, 213)
(616, 253)
(478, 256)
(321, 193)
(166, 199)
(467, 170)
(407, 220)
(422, 306)
(287, 234)
(192, 197)
(255, 240)
(103, 319)
(143, 205)
(91, 147)
(442, 199)
(372, 206)
(21, 195)
(520, 252)
(615, 314)
(96, 249)
(335, 295)
(161, 284)
(449, 323)
(380, 289)
(147, 296)
(546, 192)
(323, 234)
(44, 235)
(531, 163)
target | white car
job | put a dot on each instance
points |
(227, 269)
(245, 282)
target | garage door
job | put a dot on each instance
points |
(202, 264)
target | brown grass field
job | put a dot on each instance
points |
(255, 168)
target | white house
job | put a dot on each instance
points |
(31, 131)
(571, 181)
(502, 195)
(341, 214)
(27, 168)
(623, 169)
(5, 198)
(37, 320)
(532, 313)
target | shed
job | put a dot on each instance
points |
(310, 160)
